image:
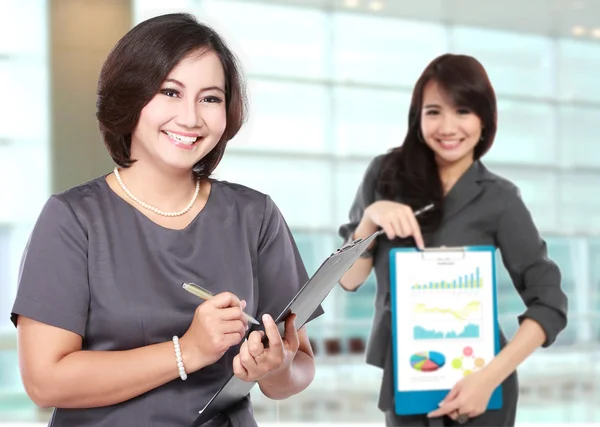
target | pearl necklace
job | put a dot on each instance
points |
(152, 208)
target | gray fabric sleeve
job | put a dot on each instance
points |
(536, 277)
(281, 272)
(53, 286)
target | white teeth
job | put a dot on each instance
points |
(449, 142)
(189, 140)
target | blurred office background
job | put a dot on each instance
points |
(330, 84)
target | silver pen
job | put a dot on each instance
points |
(200, 292)
(424, 209)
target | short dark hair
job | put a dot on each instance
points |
(410, 170)
(136, 68)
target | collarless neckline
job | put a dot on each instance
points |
(113, 194)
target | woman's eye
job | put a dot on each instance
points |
(211, 100)
(169, 92)
(464, 111)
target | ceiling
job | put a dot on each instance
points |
(560, 18)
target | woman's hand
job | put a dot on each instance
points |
(396, 220)
(255, 362)
(218, 324)
(469, 397)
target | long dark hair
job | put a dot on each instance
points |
(409, 172)
(137, 67)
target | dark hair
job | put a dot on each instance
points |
(137, 67)
(410, 171)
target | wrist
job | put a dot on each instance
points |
(179, 359)
(365, 228)
(492, 375)
(278, 376)
(191, 355)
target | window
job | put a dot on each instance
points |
(579, 206)
(145, 9)
(293, 184)
(360, 304)
(358, 312)
(383, 51)
(594, 286)
(24, 133)
(272, 40)
(369, 121)
(348, 176)
(17, 39)
(314, 247)
(25, 105)
(578, 135)
(517, 64)
(578, 62)
(285, 117)
(22, 202)
(563, 251)
(6, 267)
(526, 133)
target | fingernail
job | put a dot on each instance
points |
(243, 304)
(266, 318)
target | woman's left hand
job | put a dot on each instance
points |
(469, 397)
(255, 362)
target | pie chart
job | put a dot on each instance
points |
(427, 361)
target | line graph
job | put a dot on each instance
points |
(436, 321)
(471, 310)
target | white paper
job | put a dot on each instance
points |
(444, 317)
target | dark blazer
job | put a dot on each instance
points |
(481, 209)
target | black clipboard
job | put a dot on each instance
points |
(303, 305)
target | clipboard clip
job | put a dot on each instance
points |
(353, 243)
(444, 253)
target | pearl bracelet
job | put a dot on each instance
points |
(182, 372)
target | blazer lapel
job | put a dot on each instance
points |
(466, 189)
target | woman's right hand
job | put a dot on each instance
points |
(396, 220)
(218, 324)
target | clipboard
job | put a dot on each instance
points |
(303, 305)
(444, 322)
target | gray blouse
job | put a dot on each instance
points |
(481, 209)
(98, 267)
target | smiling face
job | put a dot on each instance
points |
(185, 120)
(451, 131)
